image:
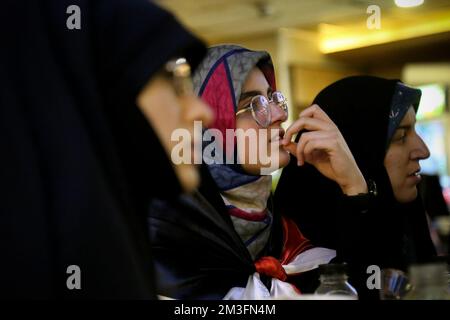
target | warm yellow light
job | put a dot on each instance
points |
(346, 37)
(408, 3)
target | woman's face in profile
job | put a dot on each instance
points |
(256, 84)
(169, 112)
(402, 159)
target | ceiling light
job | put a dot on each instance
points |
(408, 3)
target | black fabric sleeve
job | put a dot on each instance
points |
(357, 241)
(351, 211)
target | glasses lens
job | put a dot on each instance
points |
(280, 100)
(181, 75)
(260, 108)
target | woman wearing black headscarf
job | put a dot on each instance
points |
(386, 226)
(79, 160)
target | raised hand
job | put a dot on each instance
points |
(324, 147)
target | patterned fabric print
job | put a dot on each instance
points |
(254, 234)
(404, 97)
(251, 197)
(200, 76)
(219, 95)
(227, 178)
(240, 65)
(251, 201)
(218, 81)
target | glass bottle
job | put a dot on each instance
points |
(429, 282)
(333, 282)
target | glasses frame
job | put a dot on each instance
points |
(180, 73)
(282, 105)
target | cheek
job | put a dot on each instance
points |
(250, 129)
(246, 123)
(167, 121)
(393, 167)
(396, 162)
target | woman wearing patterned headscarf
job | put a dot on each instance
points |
(235, 244)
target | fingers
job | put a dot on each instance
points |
(291, 148)
(309, 141)
(322, 134)
(316, 112)
(299, 149)
(312, 148)
(306, 123)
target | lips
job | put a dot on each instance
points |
(279, 136)
(415, 173)
(415, 176)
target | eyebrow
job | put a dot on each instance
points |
(250, 94)
(404, 127)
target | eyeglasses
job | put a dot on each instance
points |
(260, 108)
(180, 71)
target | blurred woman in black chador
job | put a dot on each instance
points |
(79, 160)
(387, 226)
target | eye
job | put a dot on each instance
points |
(400, 136)
(245, 103)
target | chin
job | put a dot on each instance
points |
(280, 161)
(188, 177)
(284, 158)
(406, 196)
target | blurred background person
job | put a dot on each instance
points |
(80, 160)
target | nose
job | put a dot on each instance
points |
(420, 151)
(277, 114)
(196, 110)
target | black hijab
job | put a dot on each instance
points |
(197, 252)
(79, 161)
(388, 234)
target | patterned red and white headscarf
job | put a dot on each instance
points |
(218, 81)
